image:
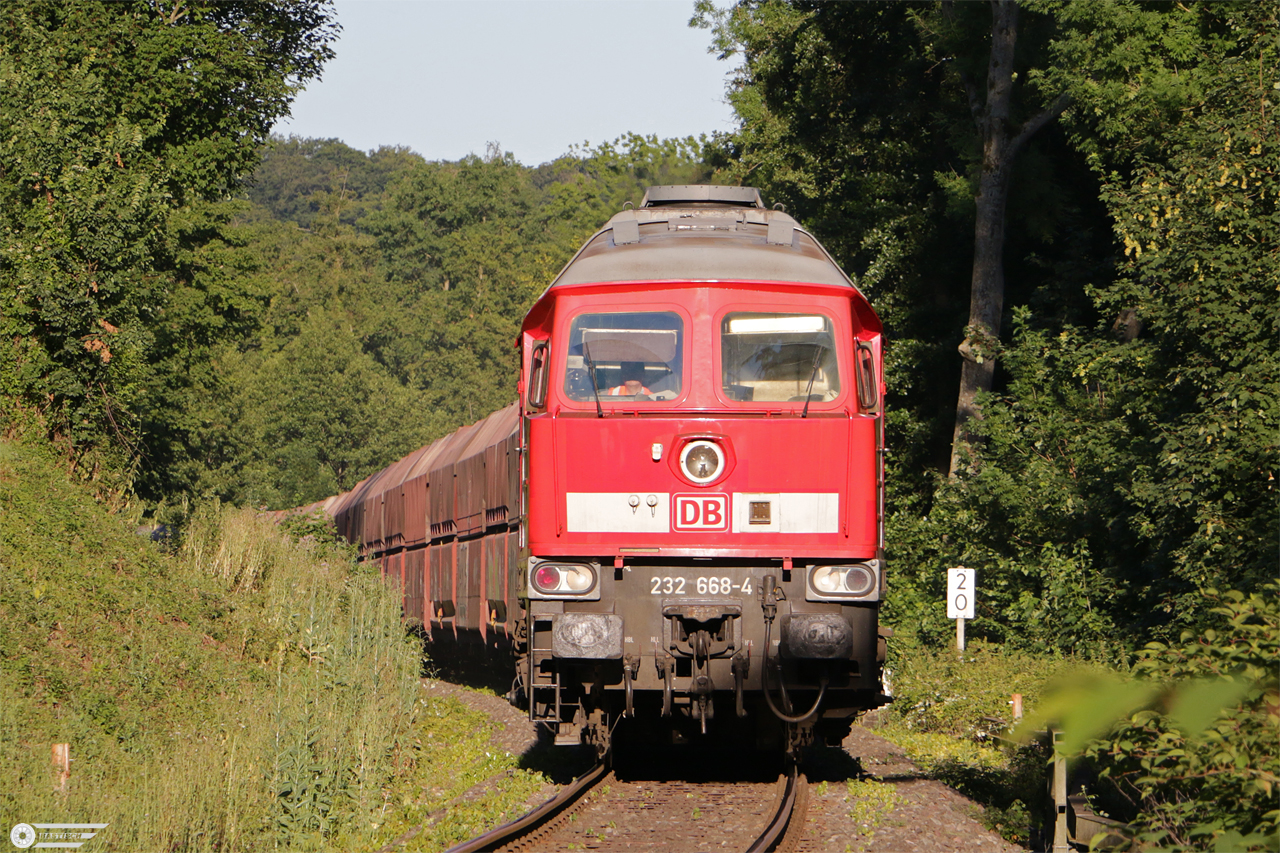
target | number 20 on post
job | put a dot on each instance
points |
(960, 593)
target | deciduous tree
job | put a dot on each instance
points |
(127, 126)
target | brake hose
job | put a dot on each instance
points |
(770, 608)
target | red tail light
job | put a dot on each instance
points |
(546, 578)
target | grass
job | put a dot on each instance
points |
(950, 714)
(244, 691)
(453, 756)
(969, 694)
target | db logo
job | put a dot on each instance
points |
(701, 512)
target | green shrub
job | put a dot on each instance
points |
(967, 694)
(1197, 754)
(951, 716)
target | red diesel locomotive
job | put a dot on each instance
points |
(677, 530)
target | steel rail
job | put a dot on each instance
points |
(508, 832)
(790, 802)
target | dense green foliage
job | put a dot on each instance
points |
(1184, 744)
(1200, 760)
(127, 126)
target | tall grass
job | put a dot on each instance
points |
(248, 692)
(344, 681)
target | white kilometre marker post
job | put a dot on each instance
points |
(960, 596)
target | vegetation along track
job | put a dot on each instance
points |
(606, 810)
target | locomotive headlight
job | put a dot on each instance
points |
(831, 583)
(828, 579)
(702, 461)
(557, 580)
(858, 580)
(576, 578)
(547, 578)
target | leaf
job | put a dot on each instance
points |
(1196, 705)
(1086, 709)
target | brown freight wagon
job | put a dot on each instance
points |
(442, 523)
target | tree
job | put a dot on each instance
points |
(1186, 355)
(127, 128)
(304, 180)
(1001, 144)
(1129, 464)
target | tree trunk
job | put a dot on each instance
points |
(986, 303)
(986, 296)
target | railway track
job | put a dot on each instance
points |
(602, 812)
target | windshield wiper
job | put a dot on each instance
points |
(591, 370)
(818, 349)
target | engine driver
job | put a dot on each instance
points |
(632, 380)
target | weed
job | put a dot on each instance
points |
(950, 712)
(869, 802)
(935, 691)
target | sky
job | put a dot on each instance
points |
(447, 77)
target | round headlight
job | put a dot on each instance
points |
(858, 580)
(828, 579)
(701, 461)
(575, 578)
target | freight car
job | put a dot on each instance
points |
(676, 532)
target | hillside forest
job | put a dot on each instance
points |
(1064, 212)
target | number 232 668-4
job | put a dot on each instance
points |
(699, 586)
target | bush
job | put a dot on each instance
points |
(966, 695)
(1198, 759)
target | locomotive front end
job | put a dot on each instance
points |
(702, 438)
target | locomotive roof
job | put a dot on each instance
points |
(702, 233)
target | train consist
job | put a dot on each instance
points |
(676, 532)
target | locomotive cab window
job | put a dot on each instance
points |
(777, 358)
(626, 356)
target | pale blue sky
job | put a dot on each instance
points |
(445, 77)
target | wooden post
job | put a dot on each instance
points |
(960, 634)
(1058, 784)
(1017, 706)
(62, 765)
